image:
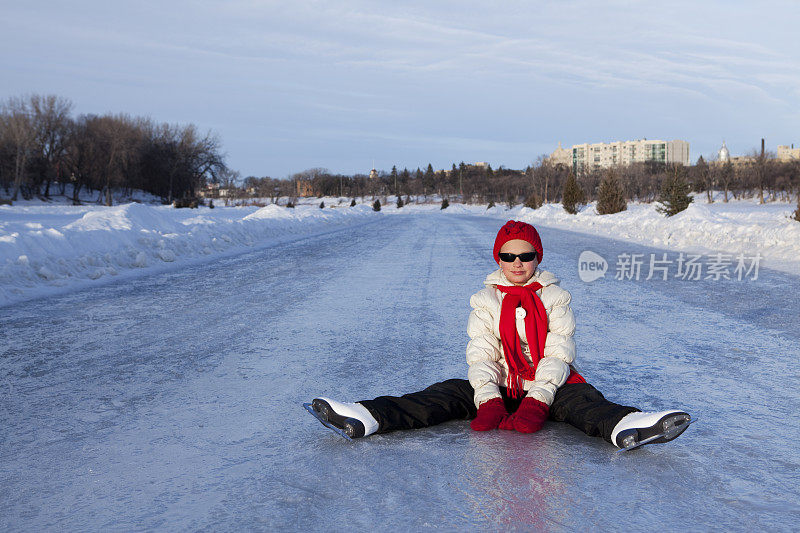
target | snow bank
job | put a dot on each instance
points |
(736, 227)
(46, 247)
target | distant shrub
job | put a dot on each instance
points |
(611, 195)
(533, 201)
(322, 205)
(376, 206)
(445, 203)
(290, 205)
(573, 196)
(491, 204)
(400, 202)
(191, 203)
(211, 204)
(353, 203)
(674, 195)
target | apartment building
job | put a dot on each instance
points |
(586, 157)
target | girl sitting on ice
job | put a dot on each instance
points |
(520, 357)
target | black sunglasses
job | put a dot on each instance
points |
(526, 257)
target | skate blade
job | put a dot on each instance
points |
(325, 423)
(670, 433)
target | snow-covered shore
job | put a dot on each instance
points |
(736, 227)
(46, 248)
(49, 248)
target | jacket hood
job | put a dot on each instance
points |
(543, 277)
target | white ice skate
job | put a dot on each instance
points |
(350, 420)
(637, 429)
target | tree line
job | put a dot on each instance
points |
(763, 177)
(44, 147)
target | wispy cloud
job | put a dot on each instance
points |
(439, 75)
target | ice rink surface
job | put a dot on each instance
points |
(173, 401)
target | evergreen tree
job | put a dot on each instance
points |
(376, 206)
(797, 212)
(573, 195)
(405, 176)
(353, 203)
(611, 195)
(491, 204)
(399, 202)
(445, 203)
(674, 196)
(322, 205)
(429, 180)
(489, 172)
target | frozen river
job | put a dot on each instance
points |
(173, 401)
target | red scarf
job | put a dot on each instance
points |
(535, 331)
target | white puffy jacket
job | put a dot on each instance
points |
(487, 366)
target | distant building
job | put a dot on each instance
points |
(788, 153)
(724, 156)
(561, 156)
(481, 164)
(373, 174)
(211, 190)
(587, 157)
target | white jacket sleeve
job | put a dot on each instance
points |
(483, 353)
(551, 373)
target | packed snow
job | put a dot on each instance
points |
(47, 249)
(173, 401)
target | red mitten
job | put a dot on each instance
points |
(508, 423)
(530, 416)
(490, 414)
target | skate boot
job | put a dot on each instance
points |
(636, 429)
(350, 420)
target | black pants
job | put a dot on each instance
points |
(578, 404)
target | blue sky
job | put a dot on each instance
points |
(294, 85)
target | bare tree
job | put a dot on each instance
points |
(50, 119)
(19, 131)
(724, 175)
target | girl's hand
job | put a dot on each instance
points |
(529, 418)
(491, 414)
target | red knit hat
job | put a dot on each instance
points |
(517, 230)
